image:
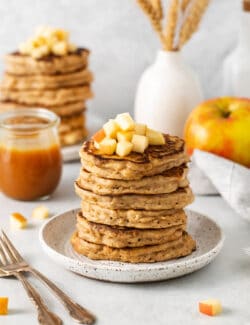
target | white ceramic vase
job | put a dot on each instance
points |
(167, 92)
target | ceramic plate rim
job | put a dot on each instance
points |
(140, 267)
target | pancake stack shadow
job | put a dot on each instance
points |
(132, 208)
(58, 83)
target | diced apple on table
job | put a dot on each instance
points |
(17, 220)
(40, 212)
(210, 307)
(4, 305)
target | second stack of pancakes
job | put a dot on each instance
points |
(60, 83)
(132, 207)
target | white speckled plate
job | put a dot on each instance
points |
(55, 240)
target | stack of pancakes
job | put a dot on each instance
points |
(132, 207)
(58, 83)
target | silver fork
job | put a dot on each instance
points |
(76, 311)
(8, 261)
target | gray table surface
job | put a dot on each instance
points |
(169, 302)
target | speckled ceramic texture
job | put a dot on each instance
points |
(55, 240)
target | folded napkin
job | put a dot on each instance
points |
(211, 174)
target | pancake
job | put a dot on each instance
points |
(61, 110)
(68, 109)
(168, 181)
(38, 81)
(47, 97)
(73, 136)
(154, 219)
(20, 64)
(76, 121)
(148, 254)
(175, 200)
(155, 160)
(120, 237)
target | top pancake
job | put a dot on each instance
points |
(20, 64)
(155, 160)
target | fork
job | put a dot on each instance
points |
(76, 311)
(8, 261)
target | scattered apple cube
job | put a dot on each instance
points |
(210, 307)
(110, 129)
(125, 122)
(140, 143)
(99, 136)
(4, 305)
(40, 212)
(140, 129)
(124, 148)
(155, 138)
(107, 146)
(17, 220)
(124, 136)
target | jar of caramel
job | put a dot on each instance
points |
(30, 156)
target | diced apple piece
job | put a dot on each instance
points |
(99, 136)
(210, 307)
(124, 148)
(40, 212)
(140, 129)
(17, 220)
(124, 136)
(125, 122)
(107, 146)
(155, 138)
(110, 129)
(4, 305)
(140, 143)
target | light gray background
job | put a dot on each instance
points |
(122, 41)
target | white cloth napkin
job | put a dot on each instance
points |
(211, 174)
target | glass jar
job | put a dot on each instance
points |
(30, 156)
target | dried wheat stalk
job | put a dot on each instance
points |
(192, 20)
(176, 34)
(172, 19)
(157, 5)
(148, 9)
(185, 4)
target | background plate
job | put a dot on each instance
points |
(55, 240)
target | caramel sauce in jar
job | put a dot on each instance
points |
(30, 155)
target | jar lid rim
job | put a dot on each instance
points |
(50, 117)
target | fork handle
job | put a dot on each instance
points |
(45, 316)
(76, 311)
